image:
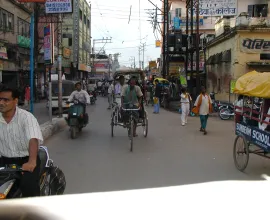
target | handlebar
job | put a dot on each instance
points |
(12, 168)
(134, 109)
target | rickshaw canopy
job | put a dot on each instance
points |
(254, 84)
(161, 80)
(129, 72)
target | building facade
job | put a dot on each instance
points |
(76, 30)
(15, 42)
(241, 45)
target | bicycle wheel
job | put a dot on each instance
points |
(131, 132)
(112, 125)
(240, 153)
(145, 125)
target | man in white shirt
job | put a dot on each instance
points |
(110, 94)
(20, 137)
(118, 89)
(204, 103)
(82, 96)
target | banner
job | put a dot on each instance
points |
(58, 6)
(152, 64)
(48, 44)
(3, 53)
(218, 7)
(158, 43)
(232, 86)
(254, 45)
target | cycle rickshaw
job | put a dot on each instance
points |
(252, 118)
(117, 117)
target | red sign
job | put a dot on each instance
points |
(37, 1)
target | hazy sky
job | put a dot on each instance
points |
(110, 19)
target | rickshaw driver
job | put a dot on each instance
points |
(131, 95)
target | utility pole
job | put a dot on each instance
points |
(143, 49)
(165, 66)
(32, 45)
(60, 90)
(197, 48)
(139, 57)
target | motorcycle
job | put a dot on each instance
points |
(52, 179)
(226, 111)
(77, 118)
(92, 97)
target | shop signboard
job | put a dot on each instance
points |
(218, 7)
(58, 6)
(23, 41)
(255, 45)
(3, 53)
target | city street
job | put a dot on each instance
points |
(171, 155)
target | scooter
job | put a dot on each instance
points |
(92, 98)
(52, 179)
(77, 118)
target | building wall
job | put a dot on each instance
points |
(12, 71)
(238, 65)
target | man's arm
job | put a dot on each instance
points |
(71, 97)
(87, 97)
(34, 137)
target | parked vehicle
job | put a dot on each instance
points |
(92, 97)
(226, 111)
(67, 88)
(77, 118)
(52, 179)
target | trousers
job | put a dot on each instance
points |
(29, 183)
(110, 99)
(156, 107)
(185, 111)
(203, 119)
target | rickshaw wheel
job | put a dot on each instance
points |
(145, 125)
(131, 132)
(242, 151)
(112, 127)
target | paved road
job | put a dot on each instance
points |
(171, 155)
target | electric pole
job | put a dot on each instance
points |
(60, 90)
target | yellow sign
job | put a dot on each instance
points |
(174, 68)
(152, 64)
(183, 80)
(232, 85)
(158, 43)
(66, 52)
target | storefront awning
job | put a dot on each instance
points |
(226, 56)
(258, 64)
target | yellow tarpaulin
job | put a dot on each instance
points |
(161, 80)
(254, 84)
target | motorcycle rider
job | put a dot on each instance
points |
(20, 137)
(82, 96)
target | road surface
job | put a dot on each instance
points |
(171, 155)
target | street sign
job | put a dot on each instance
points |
(36, 1)
(58, 6)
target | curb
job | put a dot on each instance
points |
(48, 128)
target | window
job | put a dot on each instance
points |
(264, 56)
(178, 12)
(260, 10)
(69, 42)
(81, 14)
(6, 20)
(219, 86)
(84, 18)
(88, 23)
(23, 28)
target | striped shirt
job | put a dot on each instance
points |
(15, 136)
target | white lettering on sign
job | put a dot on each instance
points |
(218, 7)
(58, 6)
(260, 137)
(243, 129)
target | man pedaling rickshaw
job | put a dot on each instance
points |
(131, 99)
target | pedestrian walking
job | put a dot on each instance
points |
(27, 96)
(157, 96)
(185, 105)
(110, 94)
(203, 106)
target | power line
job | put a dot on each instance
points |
(148, 45)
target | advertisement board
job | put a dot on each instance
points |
(254, 45)
(58, 6)
(48, 44)
(3, 53)
(218, 7)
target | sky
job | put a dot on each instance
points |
(110, 19)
